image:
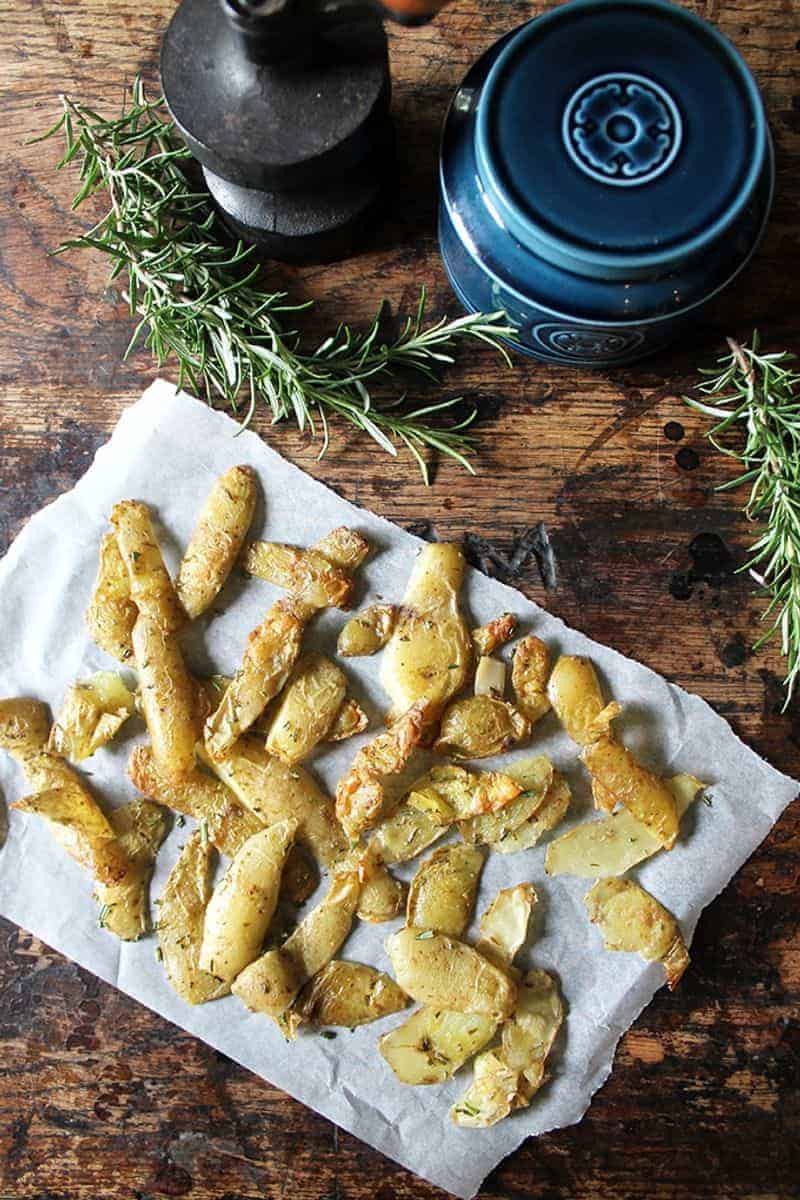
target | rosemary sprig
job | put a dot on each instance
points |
(199, 297)
(761, 393)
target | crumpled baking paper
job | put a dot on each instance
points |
(167, 449)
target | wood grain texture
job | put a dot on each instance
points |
(99, 1097)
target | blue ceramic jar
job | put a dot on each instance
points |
(606, 169)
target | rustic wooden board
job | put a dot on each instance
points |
(102, 1099)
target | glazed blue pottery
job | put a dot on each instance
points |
(606, 169)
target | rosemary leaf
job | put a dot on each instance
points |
(198, 299)
(759, 394)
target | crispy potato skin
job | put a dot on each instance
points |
(429, 654)
(167, 697)
(111, 613)
(319, 577)
(546, 816)
(641, 791)
(438, 971)
(494, 634)
(181, 914)
(405, 834)
(382, 896)
(452, 793)
(631, 919)
(434, 1043)
(367, 632)
(504, 925)
(91, 714)
(274, 792)
(574, 692)
(480, 727)
(364, 792)
(242, 906)
(442, 893)
(217, 539)
(614, 844)
(140, 827)
(348, 994)
(530, 671)
(349, 720)
(271, 983)
(271, 652)
(533, 777)
(306, 709)
(151, 587)
(24, 726)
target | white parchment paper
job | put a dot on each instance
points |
(167, 449)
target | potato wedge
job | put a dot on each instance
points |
(152, 590)
(574, 692)
(24, 727)
(434, 1043)
(442, 893)
(507, 1078)
(271, 652)
(368, 631)
(181, 913)
(274, 792)
(217, 539)
(91, 715)
(642, 792)
(614, 844)
(494, 634)
(534, 777)
(321, 576)
(307, 708)
(429, 654)
(504, 925)
(452, 793)
(243, 904)
(366, 791)
(270, 984)
(480, 727)
(76, 821)
(633, 920)
(140, 827)
(438, 971)
(349, 720)
(546, 816)
(228, 823)
(530, 671)
(167, 697)
(111, 613)
(348, 994)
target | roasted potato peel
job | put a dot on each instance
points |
(631, 919)
(243, 904)
(152, 590)
(507, 1077)
(429, 654)
(348, 994)
(452, 793)
(642, 792)
(217, 539)
(139, 827)
(530, 671)
(494, 634)
(366, 790)
(24, 727)
(442, 893)
(368, 631)
(546, 816)
(532, 777)
(434, 1043)
(319, 577)
(443, 973)
(91, 714)
(307, 708)
(504, 925)
(349, 720)
(111, 613)
(480, 727)
(181, 915)
(405, 834)
(574, 692)
(271, 652)
(271, 983)
(167, 696)
(612, 845)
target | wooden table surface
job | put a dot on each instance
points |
(102, 1099)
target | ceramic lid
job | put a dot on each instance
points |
(619, 136)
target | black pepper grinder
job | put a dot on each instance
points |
(285, 103)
